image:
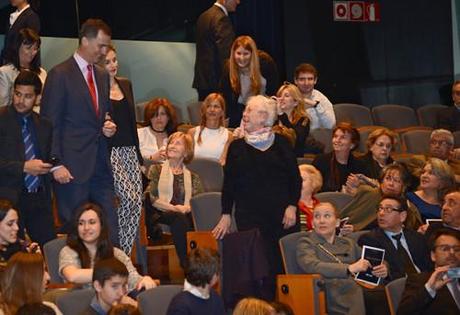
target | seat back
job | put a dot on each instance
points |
(194, 112)
(210, 172)
(456, 139)
(303, 293)
(288, 247)
(206, 210)
(417, 141)
(428, 114)
(156, 301)
(394, 291)
(75, 302)
(51, 251)
(338, 199)
(324, 136)
(394, 116)
(357, 234)
(357, 115)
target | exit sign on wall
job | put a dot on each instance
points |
(356, 11)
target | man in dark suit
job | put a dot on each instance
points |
(435, 293)
(76, 100)
(25, 139)
(450, 215)
(449, 118)
(23, 17)
(405, 250)
(214, 38)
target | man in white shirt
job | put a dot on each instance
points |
(317, 105)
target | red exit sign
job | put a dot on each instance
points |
(356, 11)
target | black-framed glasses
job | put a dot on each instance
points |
(388, 209)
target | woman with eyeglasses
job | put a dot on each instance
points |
(380, 144)
(242, 77)
(291, 114)
(337, 259)
(24, 56)
(435, 181)
(361, 210)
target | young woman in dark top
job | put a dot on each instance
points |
(10, 244)
(291, 114)
(125, 155)
(338, 164)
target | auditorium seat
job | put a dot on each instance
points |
(417, 141)
(394, 116)
(428, 114)
(357, 115)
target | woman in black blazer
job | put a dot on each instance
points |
(125, 155)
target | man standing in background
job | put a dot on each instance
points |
(214, 38)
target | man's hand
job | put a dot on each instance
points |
(436, 281)
(109, 128)
(62, 175)
(36, 167)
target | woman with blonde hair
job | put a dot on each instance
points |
(24, 281)
(242, 78)
(312, 180)
(435, 181)
(211, 138)
(253, 306)
(291, 114)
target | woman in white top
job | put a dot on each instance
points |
(211, 137)
(23, 57)
(160, 119)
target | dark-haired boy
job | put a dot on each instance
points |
(110, 281)
(198, 297)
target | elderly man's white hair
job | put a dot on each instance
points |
(268, 105)
(444, 133)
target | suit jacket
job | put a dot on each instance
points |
(417, 246)
(28, 19)
(78, 141)
(214, 38)
(12, 154)
(417, 301)
(343, 294)
(449, 118)
(127, 90)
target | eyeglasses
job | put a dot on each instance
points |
(383, 145)
(288, 83)
(448, 248)
(393, 179)
(440, 142)
(388, 209)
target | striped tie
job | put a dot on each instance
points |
(31, 181)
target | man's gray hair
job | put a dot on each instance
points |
(269, 106)
(444, 133)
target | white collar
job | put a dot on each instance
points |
(195, 291)
(222, 7)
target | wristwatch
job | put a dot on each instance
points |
(316, 104)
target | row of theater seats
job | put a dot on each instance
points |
(358, 115)
(388, 115)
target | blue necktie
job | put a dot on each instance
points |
(31, 181)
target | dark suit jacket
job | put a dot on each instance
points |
(214, 38)
(417, 246)
(417, 301)
(77, 132)
(127, 90)
(12, 152)
(28, 19)
(449, 118)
